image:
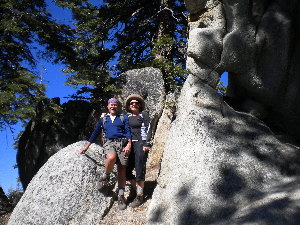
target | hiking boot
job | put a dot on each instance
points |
(103, 182)
(137, 201)
(121, 202)
(132, 194)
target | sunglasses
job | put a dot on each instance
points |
(132, 103)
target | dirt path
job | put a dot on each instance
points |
(131, 216)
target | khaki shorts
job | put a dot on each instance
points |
(116, 146)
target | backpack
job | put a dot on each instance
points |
(104, 120)
(121, 117)
(142, 114)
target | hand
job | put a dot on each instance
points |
(127, 150)
(83, 150)
(146, 149)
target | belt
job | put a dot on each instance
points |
(117, 139)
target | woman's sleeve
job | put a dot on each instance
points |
(148, 127)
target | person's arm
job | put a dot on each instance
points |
(147, 123)
(127, 148)
(93, 137)
(85, 148)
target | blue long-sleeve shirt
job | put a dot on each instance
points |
(116, 129)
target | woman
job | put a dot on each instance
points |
(139, 123)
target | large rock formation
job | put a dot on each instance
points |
(226, 167)
(217, 161)
(258, 44)
(220, 166)
(44, 136)
(147, 82)
(161, 135)
(64, 190)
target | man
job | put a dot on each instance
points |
(117, 146)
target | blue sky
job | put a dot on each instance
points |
(54, 80)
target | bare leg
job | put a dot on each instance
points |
(140, 187)
(141, 184)
(121, 184)
(133, 183)
(110, 162)
(109, 166)
(121, 176)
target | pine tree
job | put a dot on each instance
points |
(23, 23)
(129, 34)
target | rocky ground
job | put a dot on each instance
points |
(131, 216)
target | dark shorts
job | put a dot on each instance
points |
(116, 146)
(137, 160)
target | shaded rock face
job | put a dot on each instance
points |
(42, 137)
(278, 204)
(162, 132)
(217, 161)
(220, 166)
(258, 44)
(5, 206)
(64, 190)
(147, 82)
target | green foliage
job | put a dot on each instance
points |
(14, 195)
(221, 88)
(18, 94)
(107, 39)
(174, 74)
(23, 23)
(52, 112)
(113, 37)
